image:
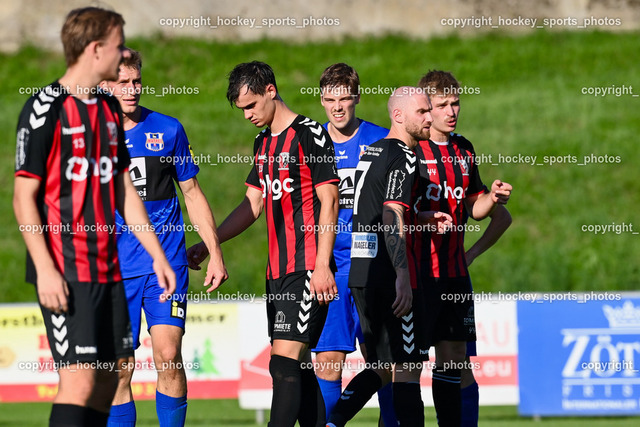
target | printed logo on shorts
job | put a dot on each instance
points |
(178, 309)
(280, 325)
(60, 333)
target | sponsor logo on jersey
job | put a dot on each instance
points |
(21, 142)
(79, 168)
(275, 187)
(178, 309)
(77, 129)
(428, 162)
(89, 349)
(279, 324)
(138, 172)
(394, 188)
(434, 192)
(346, 188)
(154, 141)
(364, 245)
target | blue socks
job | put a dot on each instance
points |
(387, 412)
(331, 391)
(470, 406)
(172, 411)
(122, 415)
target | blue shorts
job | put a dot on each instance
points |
(143, 293)
(343, 324)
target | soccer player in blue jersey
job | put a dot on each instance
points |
(340, 93)
(160, 154)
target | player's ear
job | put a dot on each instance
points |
(356, 99)
(271, 91)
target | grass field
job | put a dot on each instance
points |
(530, 102)
(226, 413)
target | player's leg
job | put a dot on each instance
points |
(373, 313)
(446, 382)
(81, 343)
(337, 339)
(385, 394)
(455, 327)
(407, 397)
(295, 322)
(409, 349)
(469, 390)
(123, 409)
(329, 372)
(166, 320)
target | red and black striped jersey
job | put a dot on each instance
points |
(448, 175)
(288, 167)
(74, 149)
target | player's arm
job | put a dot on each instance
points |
(202, 218)
(135, 215)
(396, 243)
(482, 205)
(245, 214)
(51, 287)
(322, 282)
(500, 221)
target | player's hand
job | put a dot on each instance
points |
(53, 291)
(196, 254)
(216, 272)
(166, 277)
(323, 285)
(441, 220)
(404, 296)
(500, 192)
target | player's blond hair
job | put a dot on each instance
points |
(84, 26)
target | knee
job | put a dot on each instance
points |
(328, 368)
(126, 367)
(167, 358)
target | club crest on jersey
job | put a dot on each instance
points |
(154, 141)
(112, 130)
(363, 148)
(464, 166)
(283, 161)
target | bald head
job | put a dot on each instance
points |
(399, 98)
(409, 109)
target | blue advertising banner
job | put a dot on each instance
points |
(579, 354)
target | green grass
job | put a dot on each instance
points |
(226, 413)
(530, 102)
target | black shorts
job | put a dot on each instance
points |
(96, 327)
(450, 309)
(293, 313)
(390, 339)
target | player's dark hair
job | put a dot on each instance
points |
(256, 75)
(85, 25)
(133, 61)
(338, 75)
(439, 82)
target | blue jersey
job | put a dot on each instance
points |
(348, 154)
(160, 155)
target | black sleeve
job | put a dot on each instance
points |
(401, 168)
(319, 152)
(253, 180)
(35, 133)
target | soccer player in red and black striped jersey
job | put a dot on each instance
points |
(71, 165)
(295, 182)
(450, 183)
